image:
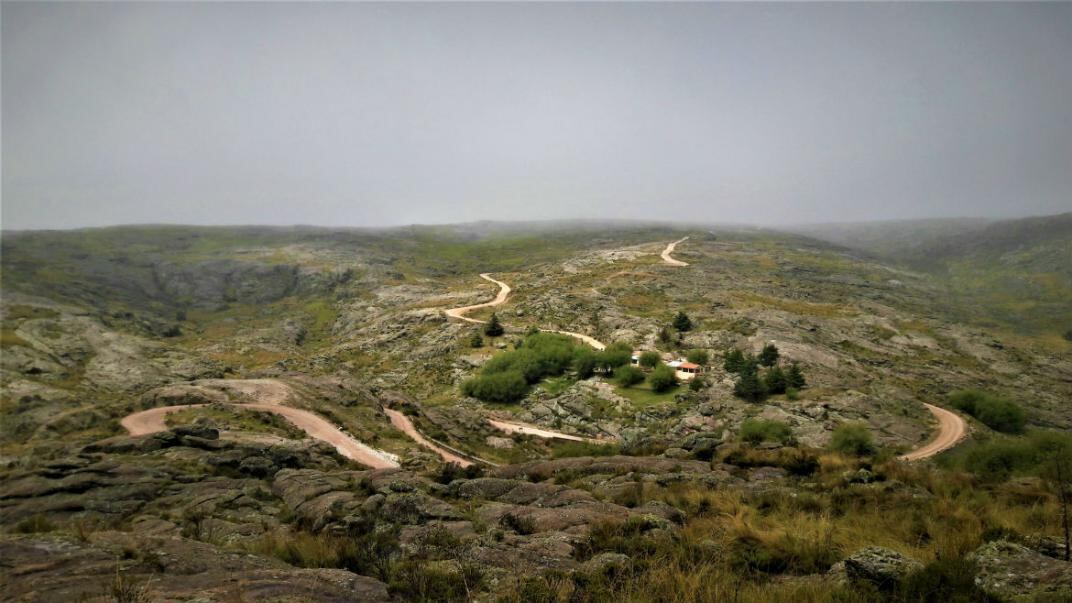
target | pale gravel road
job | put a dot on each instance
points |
(670, 249)
(951, 430)
(268, 395)
(405, 425)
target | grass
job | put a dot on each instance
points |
(642, 394)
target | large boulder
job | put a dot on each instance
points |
(880, 566)
(1014, 572)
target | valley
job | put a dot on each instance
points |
(321, 377)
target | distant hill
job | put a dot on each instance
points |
(1015, 272)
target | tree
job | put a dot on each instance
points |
(698, 356)
(476, 341)
(776, 381)
(649, 359)
(854, 439)
(732, 361)
(682, 322)
(697, 384)
(749, 387)
(494, 328)
(769, 355)
(505, 387)
(795, 377)
(628, 375)
(662, 378)
(616, 354)
(584, 362)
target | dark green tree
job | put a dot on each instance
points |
(662, 378)
(628, 375)
(749, 387)
(769, 355)
(732, 361)
(795, 377)
(584, 362)
(775, 380)
(476, 341)
(649, 359)
(682, 322)
(494, 328)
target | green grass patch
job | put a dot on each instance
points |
(643, 395)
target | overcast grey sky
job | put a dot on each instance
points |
(373, 114)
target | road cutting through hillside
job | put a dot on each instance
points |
(405, 425)
(267, 395)
(670, 249)
(951, 430)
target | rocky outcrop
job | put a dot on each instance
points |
(1016, 573)
(164, 569)
(880, 566)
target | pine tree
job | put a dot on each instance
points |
(749, 387)
(682, 322)
(795, 376)
(769, 355)
(776, 381)
(732, 360)
(664, 335)
(494, 328)
(476, 341)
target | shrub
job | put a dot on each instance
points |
(943, 581)
(682, 322)
(769, 355)
(518, 523)
(662, 378)
(791, 393)
(853, 439)
(649, 359)
(697, 384)
(700, 357)
(755, 431)
(573, 449)
(505, 387)
(415, 580)
(628, 375)
(996, 460)
(996, 413)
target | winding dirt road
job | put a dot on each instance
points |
(267, 395)
(460, 313)
(670, 249)
(406, 426)
(951, 430)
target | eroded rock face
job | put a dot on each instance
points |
(50, 569)
(1014, 572)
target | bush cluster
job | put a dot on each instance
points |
(506, 378)
(755, 431)
(853, 439)
(996, 413)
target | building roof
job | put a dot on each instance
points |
(688, 365)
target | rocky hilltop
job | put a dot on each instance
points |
(155, 380)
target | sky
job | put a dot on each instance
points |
(342, 114)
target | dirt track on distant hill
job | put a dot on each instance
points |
(268, 395)
(460, 313)
(951, 430)
(670, 249)
(525, 429)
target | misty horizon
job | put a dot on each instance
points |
(380, 116)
